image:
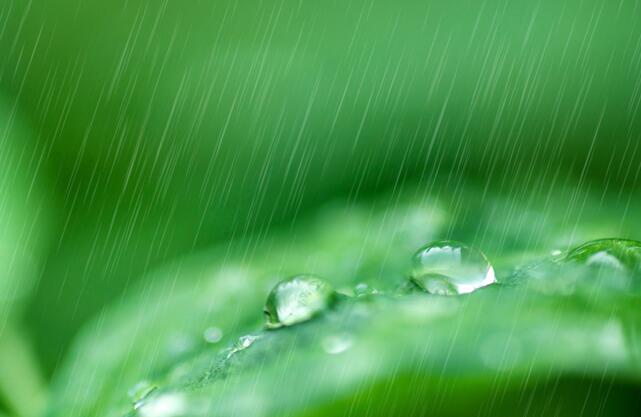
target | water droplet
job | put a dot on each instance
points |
(213, 334)
(140, 391)
(336, 344)
(243, 343)
(296, 300)
(362, 289)
(166, 405)
(449, 268)
(619, 254)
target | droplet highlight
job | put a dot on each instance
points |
(296, 300)
(243, 343)
(450, 268)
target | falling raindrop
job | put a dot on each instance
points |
(212, 334)
(139, 392)
(243, 343)
(619, 254)
(296, 300)
(449, 268)
(335, 344)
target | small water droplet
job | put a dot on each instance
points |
(243, 343)
(362, 289)
(165, 405)
(449, 268)
(140, 391)
(335, 344)
(296, 300)
(212, 334)
(618, 254)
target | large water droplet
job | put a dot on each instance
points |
(296, 300)
(448, 268)
(605, 265)
(619, 254)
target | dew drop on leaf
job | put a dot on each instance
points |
(449, 268)
(605, 264)
(243, 343)
(140, 391)
(212, 334)
(362, 289)
(618, 254)
(296, 300)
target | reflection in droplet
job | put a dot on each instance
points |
(338, 343)
(449, 268)
(296, 300)
(212, 334)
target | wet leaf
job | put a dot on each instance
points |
(391, 351)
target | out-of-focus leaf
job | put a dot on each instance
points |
(25, 232)
(506, 346)
(25, 211)
(176, 125)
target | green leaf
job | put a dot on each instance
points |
(392, 351)
(25, 232)
(24, 211)
(176, 125)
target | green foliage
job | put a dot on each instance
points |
(26, 210)
(174, 126)
(392, 351)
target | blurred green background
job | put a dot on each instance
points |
(133, 132)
